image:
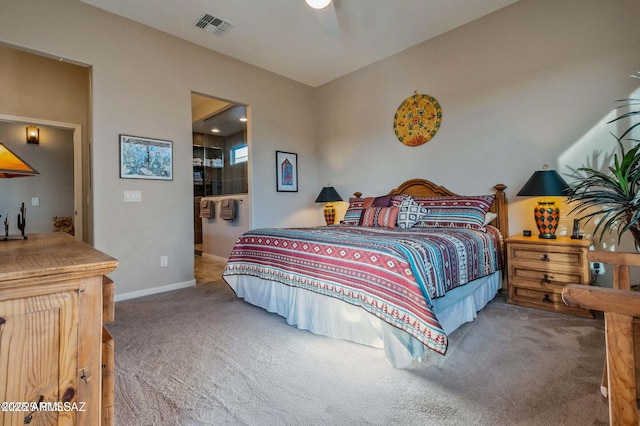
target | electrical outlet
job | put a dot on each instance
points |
(597, 268)
(164, 261)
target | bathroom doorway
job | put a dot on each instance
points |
(220, 163)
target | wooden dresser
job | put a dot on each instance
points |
(51, 330)
(538, 270)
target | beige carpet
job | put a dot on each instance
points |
(199, 356)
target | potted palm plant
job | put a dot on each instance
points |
(612, 196)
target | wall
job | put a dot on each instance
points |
(53, 159)
(519, 88)
(142, 81)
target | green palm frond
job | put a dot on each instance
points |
(613, 197)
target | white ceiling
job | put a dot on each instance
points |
(288, 38)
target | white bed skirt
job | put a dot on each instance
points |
(335, 318)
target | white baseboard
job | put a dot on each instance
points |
(154, 290)
(214, 257)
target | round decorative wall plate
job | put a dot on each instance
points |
(417, 120)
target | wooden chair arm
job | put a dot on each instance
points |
(614, 257)
(619, 307)
(602, 299)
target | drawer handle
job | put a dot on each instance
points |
(546, 279)
(547, 299)
(2, 320)
(545, 258)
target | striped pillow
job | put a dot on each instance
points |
(455, 212)
(396, 200)
(354, 212)
(358, 205)
(380, 217)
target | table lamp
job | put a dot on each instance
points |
(545, 183)
(329, 195)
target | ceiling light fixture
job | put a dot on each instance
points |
(215, 130)
(243, 119)
(318, 4)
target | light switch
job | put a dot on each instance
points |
(35, 201)
(132, 196)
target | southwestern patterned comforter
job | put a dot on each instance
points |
(394, 274)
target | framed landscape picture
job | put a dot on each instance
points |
(286, 171)
(145, 158)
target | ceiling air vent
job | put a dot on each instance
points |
(214, 25)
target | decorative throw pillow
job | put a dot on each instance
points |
(354, 211)
(489, 217)
(368, 202)
(396, 200)
(410, 212)
(353, 216)
(456, 211)
(382, 201)
(380, 217)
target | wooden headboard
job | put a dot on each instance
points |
(426, 188)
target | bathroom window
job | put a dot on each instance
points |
(239, 154)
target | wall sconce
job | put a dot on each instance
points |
(329, 195)
(33, 135)
(545, 183)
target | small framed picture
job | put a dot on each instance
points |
(145, 158)
(286, 171)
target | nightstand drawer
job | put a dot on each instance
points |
(548, 276)
(547, 256)
(540, 295)
(549, 300)
(537, 286)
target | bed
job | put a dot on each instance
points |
(401, 273)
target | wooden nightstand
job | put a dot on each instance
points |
(538, 270)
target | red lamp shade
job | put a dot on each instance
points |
(545, 183)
